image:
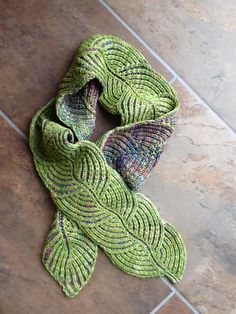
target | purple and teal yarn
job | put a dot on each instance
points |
(94, 185)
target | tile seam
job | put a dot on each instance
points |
(166, 65)
(163, 302)
(174, 78)
(13, 125)
(182, 298)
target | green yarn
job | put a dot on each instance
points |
(93, 185)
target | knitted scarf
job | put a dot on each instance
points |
(94, 184)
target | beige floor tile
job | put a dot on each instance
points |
(197, 38)
(175, 306)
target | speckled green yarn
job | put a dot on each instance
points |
(94, 185)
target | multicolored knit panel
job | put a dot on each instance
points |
(94, 185)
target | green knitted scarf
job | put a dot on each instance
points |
(94, 184)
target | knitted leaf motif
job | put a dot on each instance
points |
(69, 255)
(159, 250)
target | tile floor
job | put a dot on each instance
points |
(193, 184)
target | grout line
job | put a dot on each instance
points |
(163, 302)
(174, 78)
(165, 64)
(172, 287)
(9, 121)
(207, 106)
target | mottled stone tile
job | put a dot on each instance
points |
(37, 44)
(194, 185)
(175, 306)
(26, 214)
(197, 38)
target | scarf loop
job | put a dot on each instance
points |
(94, 184)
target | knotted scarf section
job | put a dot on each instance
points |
(94, 184)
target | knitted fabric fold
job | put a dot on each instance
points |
(94, 184)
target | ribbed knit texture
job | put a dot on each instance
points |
(93, 185)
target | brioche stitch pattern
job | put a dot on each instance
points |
(94, 185)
